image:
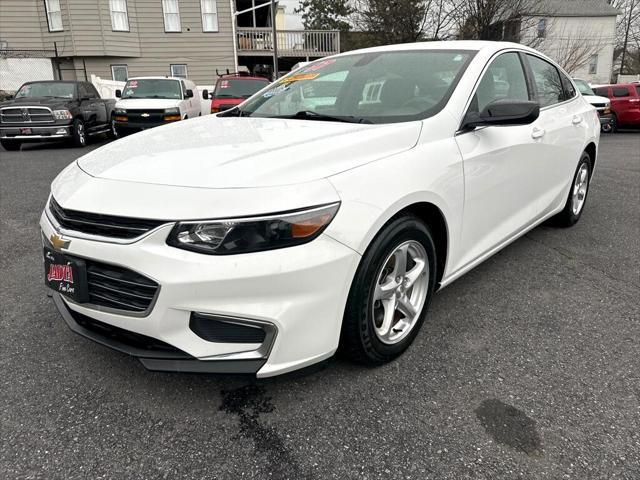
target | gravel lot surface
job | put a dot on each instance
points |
(528, 367)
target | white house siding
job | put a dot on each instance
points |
(564, 33)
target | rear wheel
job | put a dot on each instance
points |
(577, 198)
(390, 293)
(79, 134)
(11, 145)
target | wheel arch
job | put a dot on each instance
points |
(592, 150)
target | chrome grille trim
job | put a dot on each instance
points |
(26, 114)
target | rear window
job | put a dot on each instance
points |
(238, 88)
(620, 91)
(602, 91)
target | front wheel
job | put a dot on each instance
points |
(113, 130)
(11, 145)
(577, 198)
(79, 134)
(390, 293)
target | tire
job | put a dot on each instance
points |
(79, 134)
(578, 193)
(363, 338)
(113, 130)
(607, 128)
(11, 145)
(614, 123)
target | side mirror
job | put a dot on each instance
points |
(205, 94)
(118, 93)
(503, 112)
(189, 93)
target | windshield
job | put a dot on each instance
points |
(380, 87)
(47, 90)
(236, 88)
(152, 88)
(584, 87)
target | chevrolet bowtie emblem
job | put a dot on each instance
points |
(58, 242)
(145, 115)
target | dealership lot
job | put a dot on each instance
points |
(527, 367)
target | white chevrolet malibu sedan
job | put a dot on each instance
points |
(322, 213)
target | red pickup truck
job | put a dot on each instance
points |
(625, 103)
(233, 89)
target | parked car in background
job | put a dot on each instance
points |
(263, 238)
(233, 89)
(625, 103)
(602, 104)
(146, 102)
(54, 110)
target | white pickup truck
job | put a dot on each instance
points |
(146, 102)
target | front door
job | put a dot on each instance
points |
(501, 167)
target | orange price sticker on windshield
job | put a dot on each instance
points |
(298, 78)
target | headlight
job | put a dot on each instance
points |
(62, 115)
(172, 111)
(244, 235)
(119, 111)
(172, 115)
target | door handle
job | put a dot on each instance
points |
(537, 132)
(577, 120)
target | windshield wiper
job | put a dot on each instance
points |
(311, 115)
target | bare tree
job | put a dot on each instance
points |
(627, 30)
(573, 49)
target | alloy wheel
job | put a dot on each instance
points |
(580, 186)
(400, 292)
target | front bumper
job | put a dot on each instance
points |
(38, 133)
(139, 126)
(300, 291)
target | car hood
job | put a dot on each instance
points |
(215, 152)
(595, 99)
(52, 103)
(150, 103)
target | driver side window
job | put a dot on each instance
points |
(504, 79)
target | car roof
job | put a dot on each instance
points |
(241, 77)
(473, 45)
(159, 77)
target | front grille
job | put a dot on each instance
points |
(26, 115)
(146, 116)
(123, 336)
(119, 288)
(225, 330)
(102, 225)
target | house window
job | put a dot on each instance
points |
(593, 64)
(171, 10)
(179, 70)
(119, 16)
(54, 15)
(209, 15)
(542, 28)
(120, 73)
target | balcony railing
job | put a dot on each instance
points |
(291, 43)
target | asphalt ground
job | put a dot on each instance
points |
(527, 368)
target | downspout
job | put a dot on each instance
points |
(235, 35)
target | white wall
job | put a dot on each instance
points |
(563, 33)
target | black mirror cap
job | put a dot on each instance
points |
(205, 94)
(189, 93)
(118, 93)
(504, 112)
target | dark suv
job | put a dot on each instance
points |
(54, 110)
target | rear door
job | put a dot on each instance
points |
(625, 103)
(564, 123)
(501, 164)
